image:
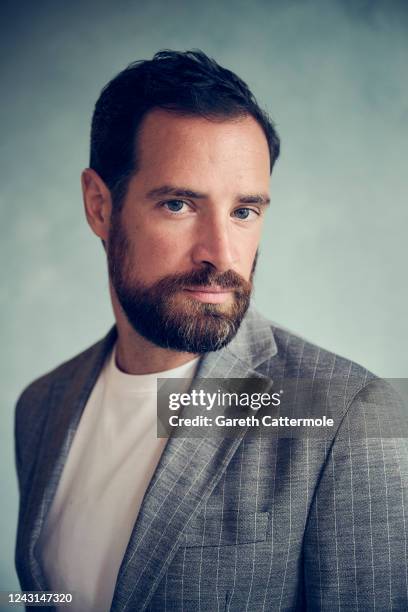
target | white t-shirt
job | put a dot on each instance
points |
(112, 459)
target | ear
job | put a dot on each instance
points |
(97, 203)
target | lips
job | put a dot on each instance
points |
(209, 295)
(209, 289)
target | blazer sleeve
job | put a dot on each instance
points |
(355, 545)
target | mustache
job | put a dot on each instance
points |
(205, 277)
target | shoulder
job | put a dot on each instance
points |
(297, 356)
(343, 381)
(37, 400)
(346, 387)
(32, 404)
(41, 386)
(279, 353)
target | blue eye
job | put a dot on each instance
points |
(243, 213)
(174, 205)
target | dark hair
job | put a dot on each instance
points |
(189, 83)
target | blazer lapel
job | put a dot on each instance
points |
(187, 473)
(68, 398)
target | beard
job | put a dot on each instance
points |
(165, 314)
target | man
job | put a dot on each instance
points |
(177, 191)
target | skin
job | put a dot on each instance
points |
(226, 163)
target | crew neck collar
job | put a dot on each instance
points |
(141, 383)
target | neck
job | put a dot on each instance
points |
(136, 355)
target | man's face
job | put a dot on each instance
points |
(182, 250)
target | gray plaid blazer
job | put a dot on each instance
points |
(253, 522)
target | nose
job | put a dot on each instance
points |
(215, 245)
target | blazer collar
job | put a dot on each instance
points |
(253, 345)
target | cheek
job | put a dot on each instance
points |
(167, 247)
(248, 250)
(153, 254)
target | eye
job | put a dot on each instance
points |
(245, 213)
(174, 206)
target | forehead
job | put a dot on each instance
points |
(180, 143)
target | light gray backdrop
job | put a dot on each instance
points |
(334, 252)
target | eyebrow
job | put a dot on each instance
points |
(185, 192)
